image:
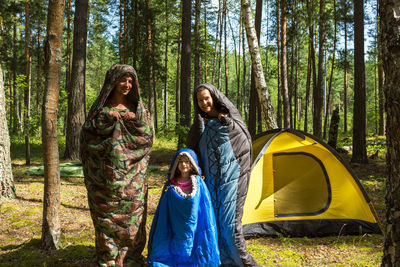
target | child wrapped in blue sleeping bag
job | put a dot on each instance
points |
(184, 232)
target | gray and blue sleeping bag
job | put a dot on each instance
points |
(225, 152)
(184, 231)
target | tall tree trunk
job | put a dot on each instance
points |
(332, 69)
(68, 51)
(278, 52)
(166, 66)
(263, 94)
(152, 96)
(237, 62)
(39, 74)
(197, 62)
(125, 34)
(27, 94)
(51, 229)
(216, 43)
(6, 175)
(345, 80)
(76, 94)
(15, 105)
(382, 125)
(178, 62)
(284, 75)
(310, 5)
(252, 124)
(205, 39)
(244, 67)
(359, 114)
(185, 105)
(225, 51)
(319, 89)
(390, 34)
(121, 30)
(219, 78)
(135, 33)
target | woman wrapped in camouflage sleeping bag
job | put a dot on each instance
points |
(223, 143)
(115, 148)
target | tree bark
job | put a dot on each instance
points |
(225, 51)
(151, 91)
(278, 52)
(165, 106)
(197, 62)
(318, 92)
(252, 124)
(216, 44)
(51, 228)
(382, 125)
(135, 33)
(76, 94)
(178, 62)
(284, 76)
(185, 105)
(359, 114)
(345, 80)
(332, 69)
(27, 93)
(389, 11)
(6, 175)
(263, 94)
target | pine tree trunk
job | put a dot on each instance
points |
(345, 80)
(15, 104)
(185, 105)
(243, 105)
(121, 30)
(165, 106)
(216, 44)
(205, 38)
(197, 62)
(318, 92)
(27, 93)
(68, 52)
(225, 52)
(284, 75)
(332, 69)
(278, 52)
(382, 125)
(152, 96)
(178, 62)
(390, 29)
(219, 78)
(6, 175)
(263, 94)
(359, 115)
(51, 229)
(76, 95)
(39, 74)
(135, 33)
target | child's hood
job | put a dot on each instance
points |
(191, 155)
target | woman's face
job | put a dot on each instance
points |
(205, 101)
(124, 85)
(184, 165)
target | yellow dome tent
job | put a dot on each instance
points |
(300, 186)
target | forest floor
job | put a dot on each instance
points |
(21, 220)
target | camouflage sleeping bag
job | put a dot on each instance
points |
(115, 155)
(224, 149)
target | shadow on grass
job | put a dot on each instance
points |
(31, 254)
(41, 201)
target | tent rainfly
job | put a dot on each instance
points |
(300, 186)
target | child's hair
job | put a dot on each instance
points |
(177, 171)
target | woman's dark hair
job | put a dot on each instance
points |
(218, 106)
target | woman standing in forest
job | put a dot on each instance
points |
(115, 148)
(223, 142)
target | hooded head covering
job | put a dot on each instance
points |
(112, 77)
(191, 155)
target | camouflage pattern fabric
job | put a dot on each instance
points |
(115, 155)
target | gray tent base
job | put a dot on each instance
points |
(310, 228)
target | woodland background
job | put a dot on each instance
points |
(316, 56)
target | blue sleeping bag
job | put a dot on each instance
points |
(184, 232)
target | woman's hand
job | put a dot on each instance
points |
(220, 115)
(115, 115)
(129, 116)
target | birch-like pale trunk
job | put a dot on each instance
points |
(261, 86)
(6, 175)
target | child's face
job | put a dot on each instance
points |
(184, 165)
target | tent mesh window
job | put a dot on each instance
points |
(301, 185)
